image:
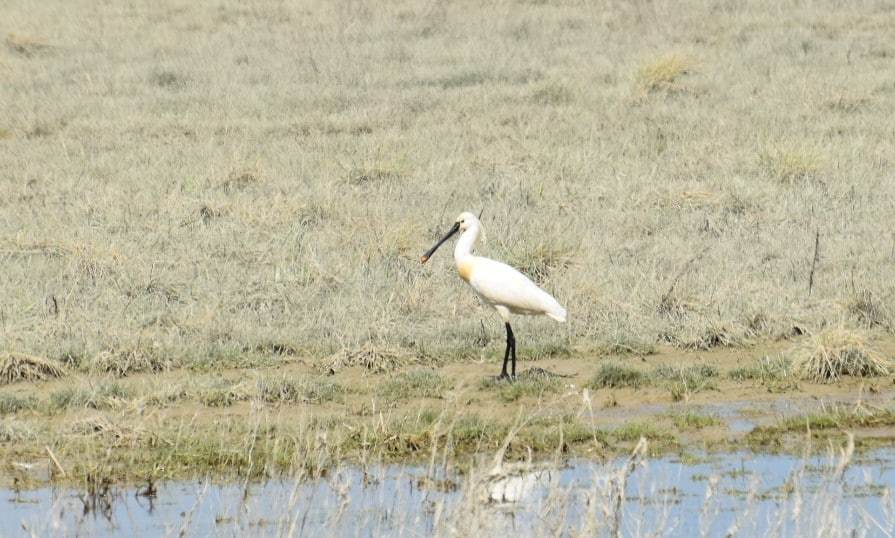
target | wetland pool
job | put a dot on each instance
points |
(713, 494)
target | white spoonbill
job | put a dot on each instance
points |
(498, 284)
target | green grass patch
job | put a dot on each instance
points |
(634, 431)
(523, 386)
(683, 382)
(615, 376)
(775, 373)
(103, 396)
(221, 394)
(10, 403)
(764, 369)
(693, 421)
(832, 422)
(415, 384)
(311, 390)
(627, 346)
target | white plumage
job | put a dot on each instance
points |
(498, 284)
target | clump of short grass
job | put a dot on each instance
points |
(462, 79)
(615, 376)
(765, 369)
(375, 173)
(10, 403)
(128, 359)
(12, 432)
(373, 357)
(241, 179)
(663, 73)
(791, 164)
(222, 394)
(470, 428)
(830, 354)
(553, 94)
(870, 310)
(102, 396)
(165, 394)
(693, 421)
(830, 421)
(635, 430)
(168, 79)
(683, 382)
(716, 335)
(627, 346)
(21, 367)
(846, 102)
(415, 384)
(312, 390)
(529, 383)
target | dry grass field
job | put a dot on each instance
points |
(186, 183)
(211, 216)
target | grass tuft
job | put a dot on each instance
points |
(683, 382)
(21, 367)
(222, 394)
(102, 396)
(10, 403)
(615, 376)
(241, 179)
(833, 353)
(168, 80)
(416, 384)
(372, 357)
(462, 79)
(634, 431)
(553, 94)
(832, 421)
(313, 390)
(765, 369)
(14, 432)
(693, 421)
(790, 165)
(846, 103)
(533, 382)
(663, 73)
(869, 310)
(129, 359)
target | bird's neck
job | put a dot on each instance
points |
(464, 246)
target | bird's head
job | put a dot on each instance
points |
(465, 221)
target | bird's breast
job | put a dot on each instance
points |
(465, 270)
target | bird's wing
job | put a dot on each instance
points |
(498, 283)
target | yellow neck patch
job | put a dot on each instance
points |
(465, 270)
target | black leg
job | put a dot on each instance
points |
(511, 342)
(506, 358)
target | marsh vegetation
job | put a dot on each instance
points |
(211, 217)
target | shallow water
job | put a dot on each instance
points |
(760, 494)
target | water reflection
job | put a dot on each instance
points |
(740, 493)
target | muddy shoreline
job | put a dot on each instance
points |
(265, 422)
